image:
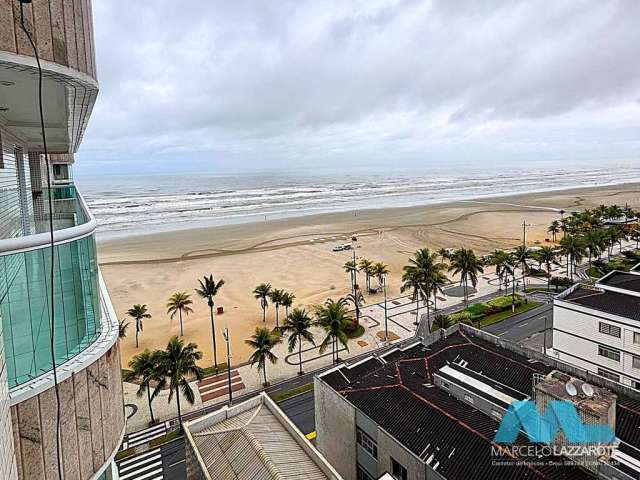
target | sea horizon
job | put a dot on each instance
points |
(151, 203)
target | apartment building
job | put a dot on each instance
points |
(597, 328)
(431, 409)
(84, 327)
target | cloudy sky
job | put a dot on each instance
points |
(245, 85)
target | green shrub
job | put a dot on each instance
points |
(477, 309)
(505, 301)
(460, 317)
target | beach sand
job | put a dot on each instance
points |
(295, 254)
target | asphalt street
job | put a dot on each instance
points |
(522, 326)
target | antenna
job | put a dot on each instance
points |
(571, 389)
(587, 389)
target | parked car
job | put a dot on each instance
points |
(338, 248)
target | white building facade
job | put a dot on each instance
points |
(598, 328)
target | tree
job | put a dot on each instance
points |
(287, 302)
(208, 289)
(441, 321)
(412, 280)
(357, 300)
(380, 270)
(520, 256)
(635, 236)
(350, 267)
(262, 292)
(554, 229)
(335, 319)
(438, 281)
(465, 263)
(504, 265)
(547, 255)
(298, 325)
(180, 303)
(427, 267)
(122, 328)
(365, 265)
(138, 313)
(444, 254)
(276, 296)
(176, 366)
(144, 369)
(262, 342)
(573, 248)
(594, 242)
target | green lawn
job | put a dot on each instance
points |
(282, 396)
(498, 317)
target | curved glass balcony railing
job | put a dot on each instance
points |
(25, 300)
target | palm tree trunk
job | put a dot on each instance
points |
(179, 410)
(264, 371)
(277, 324)
(213, 333)
(181, 328)
(264, 313)
(300, 352)
(153, 420)
(137, 330)
(417, 308)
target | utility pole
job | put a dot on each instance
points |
(354, 239)
(225, 333)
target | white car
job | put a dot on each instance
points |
(338, 248)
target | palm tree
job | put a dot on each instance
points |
(441, 321)
(444, 254)
(564, 226)
(277, 295)
(554, 229)
(594, 242)
(335, 319)
(262, 292)
(438, 281)
(380, 270)
(122, 328)
(298, 324)
(208, 289)
(179, 302)
(635, 236)
(428, 268)
(350, 267)
(262, 342)
(287, 302)
(138, 313)
(465, 263)
(547, 255)
(357, 300)
(144, 368)
(573, 247)
(412, 280)
(503, 263)
(176, 366)
(520, 256)
(365, 265)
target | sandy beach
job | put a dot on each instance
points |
(295, 254)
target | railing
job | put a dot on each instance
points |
(25, 299)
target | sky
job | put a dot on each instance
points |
(236, 86)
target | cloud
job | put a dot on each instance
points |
(254, 83)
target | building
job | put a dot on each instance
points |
(431, 409)
(253, 440)
(85, 328)
(597, 328)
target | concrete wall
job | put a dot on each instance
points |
(335, 429)
(62, 30)
(92, 423)
(389, 447)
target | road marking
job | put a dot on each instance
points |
(311, 436)
(523, 324)
(177, 463)
(138, 457)
(152, 459)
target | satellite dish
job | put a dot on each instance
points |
(587, 389)
(571, 389)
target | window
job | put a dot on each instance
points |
(609, 353)
(397, 470)
(363, 474)
(610, 375)
(609, 329)
(636, 338)
(635, 362)
(368, 443)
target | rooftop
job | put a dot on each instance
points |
(615, 303)
(254, 440)
(623, 280)
(452, 436)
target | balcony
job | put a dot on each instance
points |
(25, 301)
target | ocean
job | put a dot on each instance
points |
(133, 204)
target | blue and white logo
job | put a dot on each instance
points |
(560, 415)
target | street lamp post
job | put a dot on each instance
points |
(354, 239)
(545, 335)
(225, 333)
(384, 287)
